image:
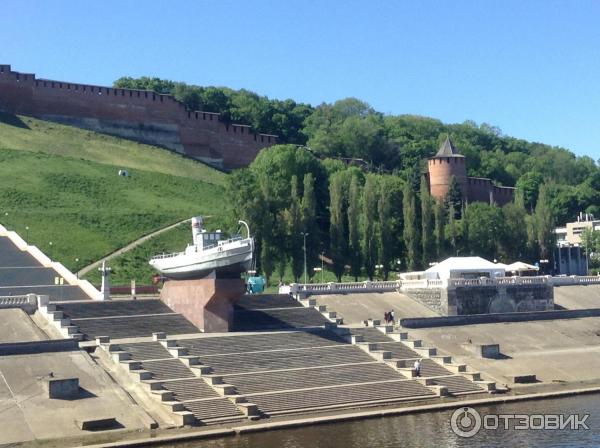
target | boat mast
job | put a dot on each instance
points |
(246, 226)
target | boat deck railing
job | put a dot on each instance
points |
(216, 244)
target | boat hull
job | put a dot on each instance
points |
(227, 264)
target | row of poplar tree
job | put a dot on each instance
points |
(365, 224)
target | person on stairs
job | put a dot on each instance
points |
(417, 367)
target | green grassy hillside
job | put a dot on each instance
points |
(30, 134)
(63, 184)
(134, 264)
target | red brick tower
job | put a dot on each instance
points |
(445, 164)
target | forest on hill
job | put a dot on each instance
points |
(382, 218)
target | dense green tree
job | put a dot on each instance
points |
(564, 202)
(385, 233)
(349, 128)
(354, 250)
(427, 236)
(532, 246)
(309, 223)
(411, 236)
(281, 244)
(590, 240)
(544, 222)
(513, 242)
(369, 225)
(439, 215)
(485, 229)
(528, 187)
(464, 245)
(294, 226)
(283, 118)
(454, 197)
(337, 233)
(452, 232)
(352, 128)
(246, 202)
(268, 256)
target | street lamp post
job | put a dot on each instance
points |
(304, 235)
(322, 268)
(50, 244)
(77, 267)
(27, 233)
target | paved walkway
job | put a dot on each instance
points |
(355, 308)
(129, 247)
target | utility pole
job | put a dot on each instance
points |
(305, 234)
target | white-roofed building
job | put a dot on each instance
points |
(464, 267)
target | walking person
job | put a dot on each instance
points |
(392, 317)
(386, 317)
(417, 367)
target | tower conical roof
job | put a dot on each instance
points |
(447, 149)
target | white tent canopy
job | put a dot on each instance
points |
(464, 267)
(519, 266)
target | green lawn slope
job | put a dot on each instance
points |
(63, 184)
(30, 134)
(134, 264)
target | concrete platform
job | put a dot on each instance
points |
(355, 308)
(577, 297)
(17, 326)
(555, 350)
(28, 413)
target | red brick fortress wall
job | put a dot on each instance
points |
(481, 189)
(474, 189)
(142, 115)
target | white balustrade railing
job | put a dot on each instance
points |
(17, 301)
(375, 286)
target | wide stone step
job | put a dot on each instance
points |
(213, 409)
(345, 395)
(192, 389)
(317, 377)
(286, 359)
(221, 345)
(146, 351)
(167, 369)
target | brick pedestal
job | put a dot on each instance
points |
(207, 303)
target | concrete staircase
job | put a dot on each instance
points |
(301, 371)
(185, 372)
(204, 372)
(62, 323)
(331, 316)
(449, 379)
(432, 353)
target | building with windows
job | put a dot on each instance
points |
(570, 257)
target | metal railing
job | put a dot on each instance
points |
(212, 246)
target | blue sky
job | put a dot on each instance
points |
(531, 68)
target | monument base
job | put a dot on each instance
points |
(207, 302)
